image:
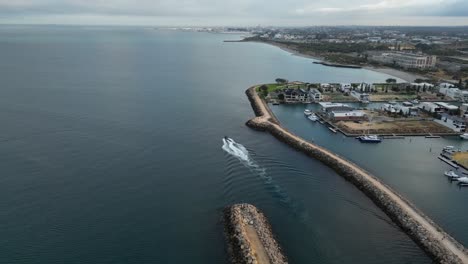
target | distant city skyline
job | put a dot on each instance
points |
(236, 12)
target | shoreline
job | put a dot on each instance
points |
(249, 236)
(439, 245)
(405, 76)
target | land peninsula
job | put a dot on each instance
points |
(428, 235)
(385, 109)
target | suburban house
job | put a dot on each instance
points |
(296, 96)
(362, 97)
(422, 85)
(345, 87)
(454, 93)
(447, 108)
(315, 95)
(401, 109)
(430, 107)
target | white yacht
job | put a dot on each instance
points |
(464, 136)
(307, 112)
(369, 139)
(463, 180)
(415, 101)
(312, 117)
(451, 174)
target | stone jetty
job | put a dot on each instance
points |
(439, 245)
(249, 236)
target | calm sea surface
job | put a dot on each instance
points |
(110, 152)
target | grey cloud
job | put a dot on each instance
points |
(224, 11)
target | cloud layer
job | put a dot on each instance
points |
(236, 12)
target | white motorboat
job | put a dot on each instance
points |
(415, 101)
(393, 102)
(451, 174)
(369, 139)
(307, 112)
(312, 117)
(463, 180)
(464, 136)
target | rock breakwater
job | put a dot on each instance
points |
(249, 236)
(428, 235)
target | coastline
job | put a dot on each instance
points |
(439, 245)
(249, 236)
(405, 76)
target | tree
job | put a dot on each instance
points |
(281, 80)
(264, 90)
(391, 80)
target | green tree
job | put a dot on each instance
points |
(391, 80)
(264, 90)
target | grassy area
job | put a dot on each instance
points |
(461, 158)
(394, 127)
(391, 96)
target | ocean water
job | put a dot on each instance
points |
(111, 147)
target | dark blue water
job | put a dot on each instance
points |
(110, 152)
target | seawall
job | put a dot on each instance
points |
(440, 246)
(249, 236)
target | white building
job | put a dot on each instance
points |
(407, 60)
(454, 93)
(345, 87)
(362, 97)
(422, 85)
(430, 107)
(350, 115)
(315, 95)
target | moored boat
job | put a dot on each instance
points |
(312, 117)
(307, 112)
(452, 175)
(370, 139)
(462, 181)
(464, 136)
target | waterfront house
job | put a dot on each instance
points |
(454, 93)
(345, 87)
(315, 95)
(362, 97)
(430, 107)
(447, 108)
(295, 96)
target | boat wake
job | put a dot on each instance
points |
(242, 154)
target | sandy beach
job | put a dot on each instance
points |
(405, 76)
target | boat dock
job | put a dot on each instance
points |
(449, 162)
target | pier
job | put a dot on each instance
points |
(249, 236)
(439, 245)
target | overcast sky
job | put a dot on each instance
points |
(235, 12)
